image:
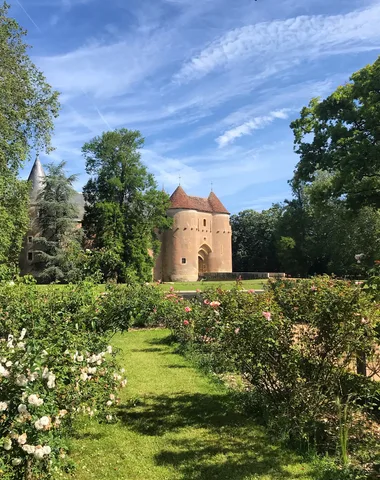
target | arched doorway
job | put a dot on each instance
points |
(203, 254)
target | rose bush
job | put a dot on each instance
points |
(55, 363)
(296, 347)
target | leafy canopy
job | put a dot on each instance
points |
(123, 206)
(341, 135)
(28, 105)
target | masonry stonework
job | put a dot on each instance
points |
(199, 240)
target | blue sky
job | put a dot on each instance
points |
(211, 84)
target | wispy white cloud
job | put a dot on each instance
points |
(294, 38)
(248, 127)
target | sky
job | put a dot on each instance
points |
(211, 84)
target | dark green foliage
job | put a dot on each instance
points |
(59, 239)
(27, 108)
(27, 103)
(124, 208)
(14, 220)
(341, 135)
(254, 241)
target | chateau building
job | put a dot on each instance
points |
(198, 242)
(36, 178)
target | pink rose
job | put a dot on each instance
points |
(206, 302)
(187, 309)
(214, 304)
(186, 322)
(237, 330)
(267, 315)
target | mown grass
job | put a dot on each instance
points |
(202, 285)
(176, 423)
(188, 286)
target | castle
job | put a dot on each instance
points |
(199, 241)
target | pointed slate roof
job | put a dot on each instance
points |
(36, 177)
(181, 200)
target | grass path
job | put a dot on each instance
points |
(176, 424)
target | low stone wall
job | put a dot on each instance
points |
(220, 276)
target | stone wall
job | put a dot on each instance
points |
(220, 276)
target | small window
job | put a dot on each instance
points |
(204, 222)
(184, 260)
(30, 256)
(30, 239)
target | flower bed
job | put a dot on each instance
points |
(55, 363)
(294, 345)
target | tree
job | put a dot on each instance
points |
(254, 242)
(123, 209)
(57, 224)
(27, 108)
(316, 235)
(27, 103)
(341, 135)
(14, 220)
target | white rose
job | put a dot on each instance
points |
(32, 376)
(9, 363)
(28, 449)
(45, 421)
(47, 450)
(22, 408)
(7, 444)
(109, 403)
(22, 439)
(112, 396)
(16, 461)
(109, 349)
(3, 372)
(22, 334)
(35, 400)
(21, 380)
(45, 373)
(21, 345)
(39, 452)
(109, 417)
(3, 406)
(51, 381)
(83, 376)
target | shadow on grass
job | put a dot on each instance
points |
(224, 445)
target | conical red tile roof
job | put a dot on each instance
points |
(216, 204)
(212, 204)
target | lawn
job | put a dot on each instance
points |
(176, 423)
(226, 285)
(192, 286)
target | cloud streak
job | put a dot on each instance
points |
(248, 127)
(301, 37)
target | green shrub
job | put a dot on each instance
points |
(55, 363)
(296, 348)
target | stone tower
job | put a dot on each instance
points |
(199, 240)
(36, 178)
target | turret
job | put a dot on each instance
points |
(36, 177)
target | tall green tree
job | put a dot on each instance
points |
(124, 208)
(341, 135)
(57, 223)
(14, 221)
(316, 235)
(254, 240)
(28, 107)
